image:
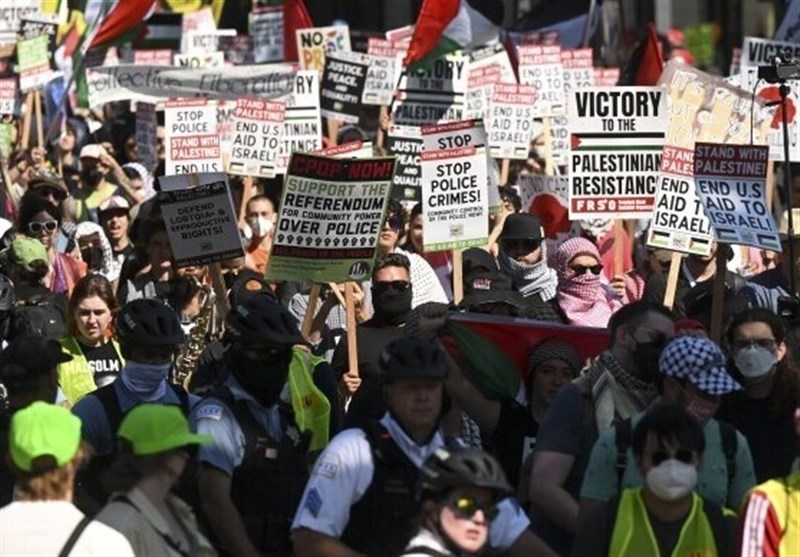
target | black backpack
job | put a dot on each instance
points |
(38, 315)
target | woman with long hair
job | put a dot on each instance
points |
(96, 356)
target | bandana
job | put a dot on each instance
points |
(529, 280)
(617, 394)
(147, 179)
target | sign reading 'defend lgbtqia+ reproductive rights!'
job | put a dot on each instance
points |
(731, 184)
(192, 142)
(330, 218)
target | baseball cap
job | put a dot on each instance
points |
(24, 251)
(33, 353)
(93, 151)
(700, 361)
(47, 178)
(40, 430)
(157, 428)
(114, 202)
(783, 230)
(522, 226)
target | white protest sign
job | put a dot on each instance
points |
(487, 65)
(606, 77)
(616, 141)
(198, 20)
(258, 127)
(540, 66)
(432, 95)
(8, 95)
(11, 14)
(303, 127)
(534, 186)
(731, 184)
(200, 220)
(191, 140)
(313, 44)
(405, 143)
(760, 52)
(455, 206)
(382, 76)
(225, 110)
(385, 48)
(200, 41)
(349, 150)
(267, 31)
(510, 122)
(146, 144)
(152, 57)
(578, 74)
(200, 60)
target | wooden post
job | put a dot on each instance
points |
(311, 309)
(37, 101)
(619, 247)
(672, 279)
(549, 161)
(26, 120)
(338, 294)
(458, 279)
(333, 131)
(505, 165)
(352, 333)
(718, 296)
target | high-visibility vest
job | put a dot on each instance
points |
(75, 377)
(312, 409)
(784, 496)
(633, 535)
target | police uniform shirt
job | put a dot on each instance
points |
(344, 472)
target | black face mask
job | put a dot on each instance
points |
(93, 257)
(261, 378)
(645, 356)
(91, 177)
(392, 305)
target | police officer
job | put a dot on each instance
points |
(360, 498)
(265, 417)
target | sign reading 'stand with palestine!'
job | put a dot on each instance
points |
(731, 184)
(258, 127)
(616, 142)
(330, 219)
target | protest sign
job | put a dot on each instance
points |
(432, 95)
(540, 66)
(238, 49)
(32, 28)
(11, 14)
(191, 140)
(200, 220)
(303, 128)
(578, 69)
(487, 65)
(405, 143)
(731, 184)
(225, 110)
(198, 20)
(455, 204)
(534, 186)
(8, 95)
(349, 150)
(152, 57)
(6, 130)
(382, 76)
(258, 127)
(606, 77)
(617, 134)
(146, 144)
(704, 108)
(510, 122)
(266, 28)
(33, 63)
(330, 219)
(200, 60)
(199, 41)
(314, 44)
(385, 48)
(342, 85)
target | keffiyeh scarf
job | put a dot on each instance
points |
(530, 279)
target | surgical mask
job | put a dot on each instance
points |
(260, 226)
(672, 479)
(147, 381)
(93, 257)
(754, 361)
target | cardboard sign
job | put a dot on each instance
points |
(385, 48)
(191, 141)
(258, 127)
(303, 127)
(200, 41)
(382, 77)
(540, 66)
(533, 186)
(455, 206)
(8, 95)
(405, 143)
(199, 20)
(704, 108)
(606, 77)
(32, 28)
(760, 52)
(6, 130)
(578, 70)
(314, 44)
(266, 28)
(731, 184)
(200, 60)
(152, 57)
(330, 219)
(201, 222)
(146, 144)
(510, 122)
(349, 150)
(225, 124)
(342, 85)
(11, 14)
(33, 62)
(433, 95)
(487, 66)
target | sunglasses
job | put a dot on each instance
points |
(55, 194)
(37, 227)
(684, 455)
(579, 270)
(466, 507)
(395, 223)
(399, 285)
(526, 245)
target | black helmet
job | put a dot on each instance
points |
(7, 297)
(448, 468)
(150, 323)
(258, 318)
(412, 358)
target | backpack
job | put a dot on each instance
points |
(38, 315)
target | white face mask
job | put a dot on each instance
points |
(672, 479)
(261, 226)
(754, 361)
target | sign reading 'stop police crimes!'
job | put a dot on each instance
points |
(331, 215)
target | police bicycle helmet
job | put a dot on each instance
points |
(413, 358)
(149, 322)
(258, 318)
(448, 468)
(7, 296)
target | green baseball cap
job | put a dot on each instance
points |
(25, 250)
(43, 429)
(157, 428)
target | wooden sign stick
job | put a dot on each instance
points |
(458, 280)
(672, 280)
(619, 247)
(718, 296)
(311, 309)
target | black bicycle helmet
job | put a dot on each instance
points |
(149, 322)
(448, 468)
(258, 318)
(7, 297)
(413, 358)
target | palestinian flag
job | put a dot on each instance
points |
(646, 63)
(122, 22)
(444, 26)
(295, 16)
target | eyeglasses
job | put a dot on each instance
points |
(522, 245)
(399, 285)
(579, 270)
(466, 507)
(37, 227)
(768, 343)
(684, 455)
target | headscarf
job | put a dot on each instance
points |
(530, 279)
(111, 267)
(148, 190)
(583, 299)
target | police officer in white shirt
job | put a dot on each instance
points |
(360, 498)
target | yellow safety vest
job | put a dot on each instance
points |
(312, 409)
(784, 495)
(634, 536)
(74, 377)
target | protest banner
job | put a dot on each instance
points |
(382, 76)
(198, 20)
(703, 108)
(258, 127)
(303, 118)
(617, 134)
(405, 143)
(330, 219)
(199, 60)
(487, 65)
(343, 85)
(455, 204)
(200, 220)
(349, 150)
(510, 123)
(540, 66)
(33, 63)
(191, 140)
(8, 95)
(432, 95)
(266, 28)
(146, 143)
(152, 57)
(315, 43)
(606, 77)
(11, 14)
(731, 184)
(200, 41)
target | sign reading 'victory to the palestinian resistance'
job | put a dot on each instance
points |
(192, 141)
(331, 216)
(454, 186)
(731, 184)
(433, 95)
(258, 127)
(616, 141)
